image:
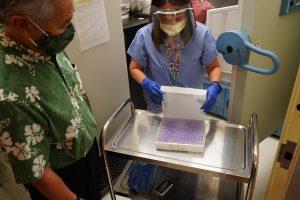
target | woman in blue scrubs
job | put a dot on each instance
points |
(174, 50)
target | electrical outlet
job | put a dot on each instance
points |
(257, 43)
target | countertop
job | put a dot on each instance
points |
(134, 21)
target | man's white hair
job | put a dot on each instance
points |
(37, 10)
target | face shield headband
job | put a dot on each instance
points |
(171, 12)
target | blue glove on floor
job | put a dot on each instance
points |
(141, 177)
(213, 90)
(154, 89)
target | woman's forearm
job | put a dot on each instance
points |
(214, 71)
(136, 71)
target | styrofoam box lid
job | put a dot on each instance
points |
(183, 103)
(182, 90)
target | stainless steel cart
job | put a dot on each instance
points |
(230, 159)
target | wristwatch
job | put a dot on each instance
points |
(219, 85)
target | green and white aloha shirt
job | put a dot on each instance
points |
(45, 116)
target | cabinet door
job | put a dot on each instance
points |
(220, 20)
(284, 181)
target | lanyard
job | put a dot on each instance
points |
(174, 57)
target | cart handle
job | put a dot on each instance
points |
(115, 115)
(255, 153)
(102, 143)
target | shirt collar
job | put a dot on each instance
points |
(32, 55)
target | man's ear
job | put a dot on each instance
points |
(20, 23)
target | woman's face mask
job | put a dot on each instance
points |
(53, 44)
(172, 22)
(173, 29)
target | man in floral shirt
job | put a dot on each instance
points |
(47, 130)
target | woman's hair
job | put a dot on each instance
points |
(37, 10)
(158, 36)
(159, 3)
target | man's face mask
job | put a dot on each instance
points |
(53, 44)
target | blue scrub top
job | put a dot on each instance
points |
(200, 51)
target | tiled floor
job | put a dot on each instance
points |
(267, 151)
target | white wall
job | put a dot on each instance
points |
(103, 68)
(268, 96)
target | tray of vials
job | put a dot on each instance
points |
(181, 135)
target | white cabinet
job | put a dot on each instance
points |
(220, 20)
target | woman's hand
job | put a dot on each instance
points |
(213, 90)
(154, 90)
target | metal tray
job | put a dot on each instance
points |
(227, 147)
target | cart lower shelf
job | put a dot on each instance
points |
(186, 185)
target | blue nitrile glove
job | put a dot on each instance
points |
(141, 177)
(154, 89)
(213, 90)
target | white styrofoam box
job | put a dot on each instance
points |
(183, 103)
(182, 127)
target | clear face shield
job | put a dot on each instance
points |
(173, 21)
